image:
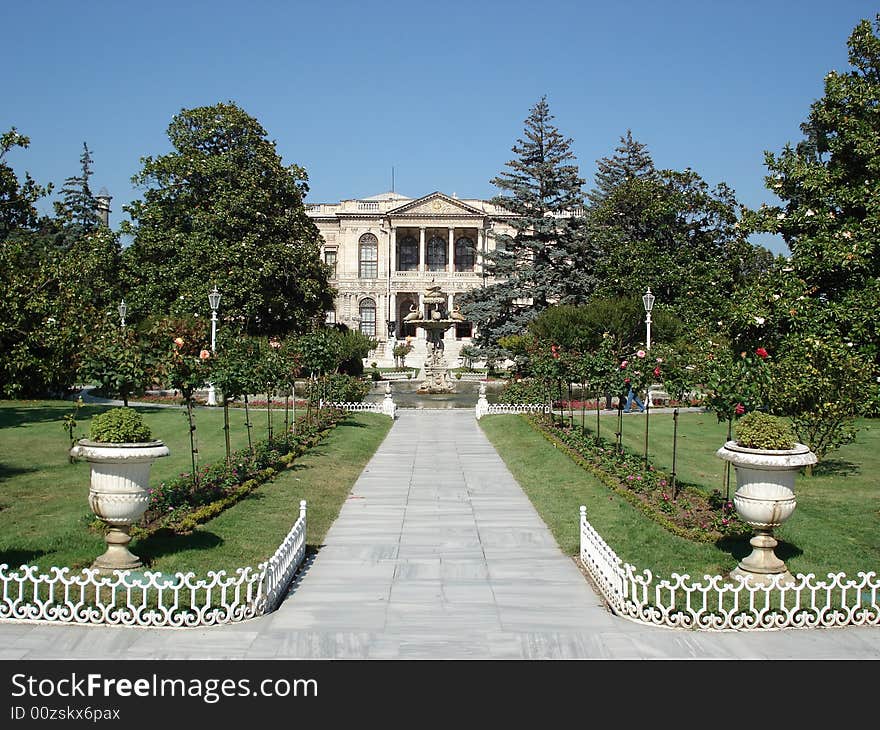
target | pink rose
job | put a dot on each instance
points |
(624, 364)
(204, 355)
(178, 341)
(640, 353)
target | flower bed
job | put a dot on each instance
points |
(177, 505)
(690, 513)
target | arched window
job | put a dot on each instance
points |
(436, 254)
(408, 254)
(368, 256)
(367, 311)
(464, 254)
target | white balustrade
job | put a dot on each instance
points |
(502, 408)
(723, 603)
(152, 599)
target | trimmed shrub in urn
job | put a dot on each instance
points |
(762, 431)
(120, 451)
(119, 426)
(767, 459)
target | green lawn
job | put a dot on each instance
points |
(834, 528)
(44, 513)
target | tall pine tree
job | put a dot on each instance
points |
(78, 209)
(630, 161)
(550, 257)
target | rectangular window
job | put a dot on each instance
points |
(368, 322)
(330, 260)
(369, 261)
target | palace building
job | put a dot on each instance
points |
(386, 249)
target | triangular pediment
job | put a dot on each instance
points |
(435, 204)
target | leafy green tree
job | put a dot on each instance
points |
(52, 299)
(830, 213)
(17, 199)
(270, 371)
(221, 209)
(189, 369)
(232, 374)
(670, 231)
(53, 295)
(354, 347)
(550, 258)
(822, 385)
(117, 359)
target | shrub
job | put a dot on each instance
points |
(759, 430)
(344, 388)
(118, 426)
(525, 391)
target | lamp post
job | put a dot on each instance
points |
(122, 309)
(648, 301)
(214, 302)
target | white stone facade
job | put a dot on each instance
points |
(387, 248)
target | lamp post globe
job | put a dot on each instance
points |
(214, 303)
(122, 309)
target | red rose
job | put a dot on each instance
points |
(656, 372)
(762, 353)
(740, 409)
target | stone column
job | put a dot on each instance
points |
(450, 258)
(478, 256)
(420, 332)
(393, 263)
(423, 261)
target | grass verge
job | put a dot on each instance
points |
(44, 513)
(833, 529)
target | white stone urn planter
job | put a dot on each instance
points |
(764, 499)
(119, 493)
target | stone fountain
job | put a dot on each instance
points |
(435, 320)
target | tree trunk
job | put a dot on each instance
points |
(247, 423)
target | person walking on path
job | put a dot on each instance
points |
(630, 397)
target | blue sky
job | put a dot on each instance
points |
(438, 91)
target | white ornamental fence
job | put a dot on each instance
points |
(402, 375)
(484, 408)
(151, 599)
(471, 377)
(386, 407)
(353, 407)
(724, 603)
